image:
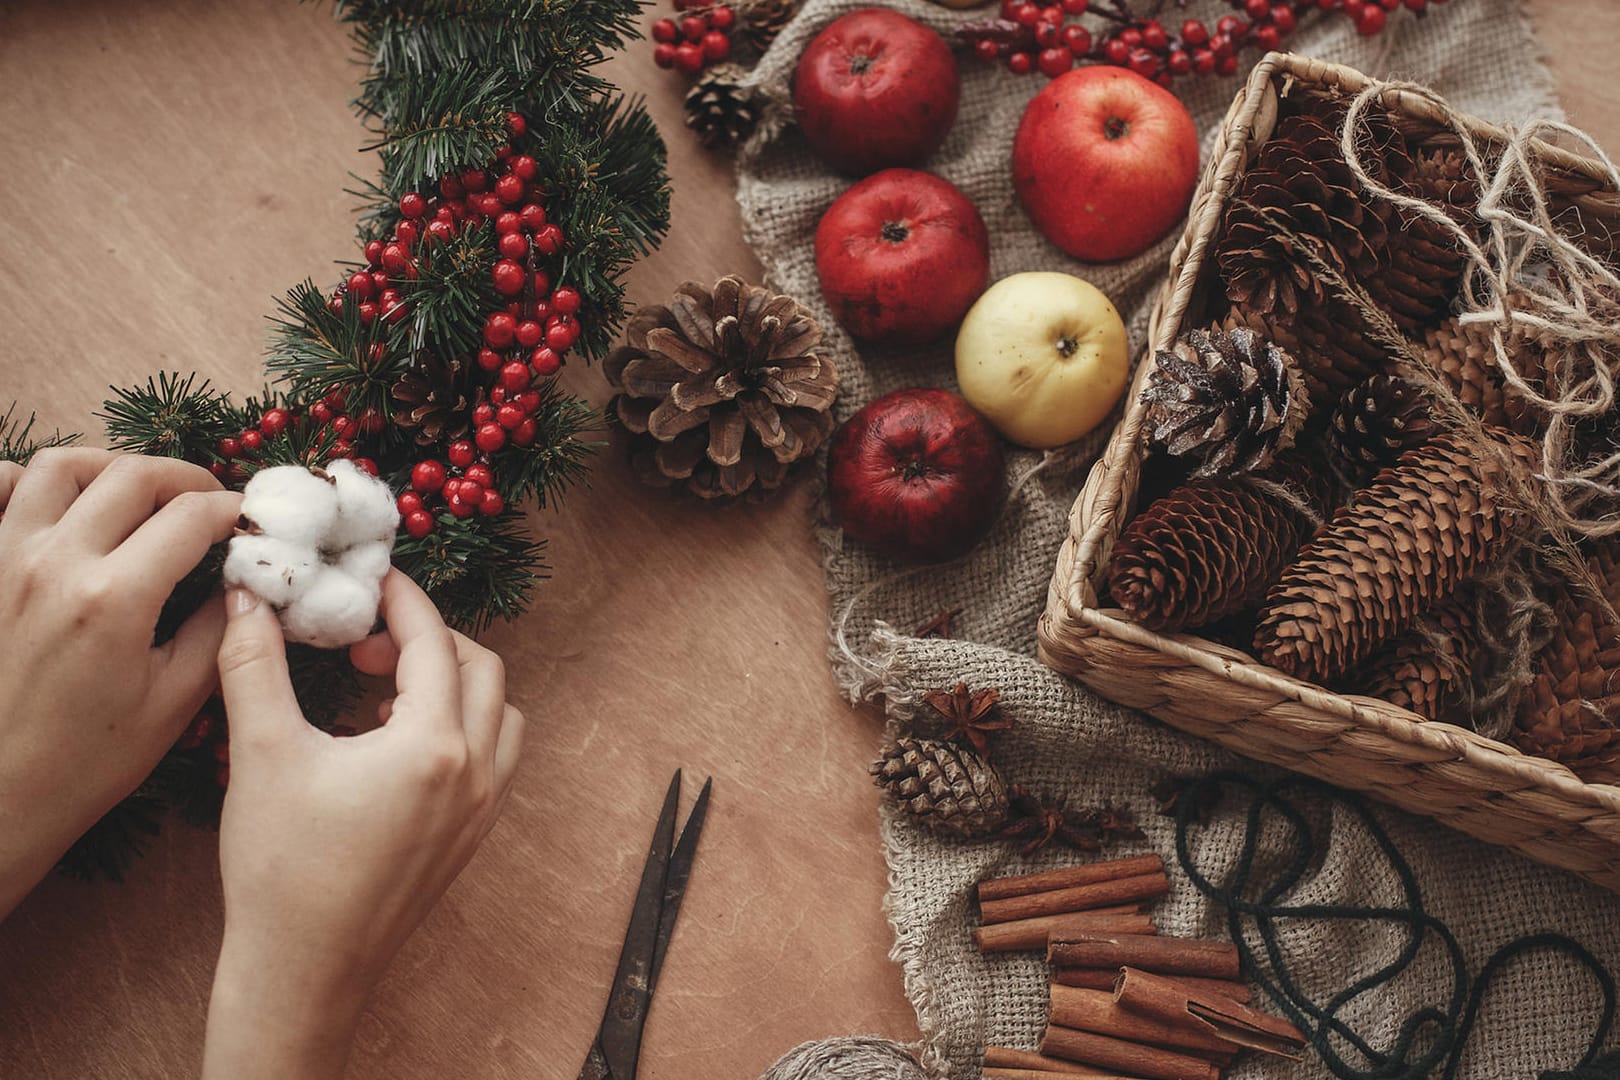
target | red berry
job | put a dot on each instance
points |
(562, 331)
(1203, 61)
(1144, 63)
(986, 50)
(508, 277)
(379, 280)
(1053, 14)
(510, 189)
(1054, 61)
(1390, 5)
(1371, 20)
(1268, 37)
(368, 313)
(1257, 9)
(475, 179)
(374, 250)
(490, 437)
(412, 205)
(489, 204)
(497, 393)
(480, 475)
(548, 239)
(1232, 26)
(461, 509)
(716, 46)
(525, 167)
(688, 58)
(499, 329)
(1221, 45)
(1075, 7)
(360, 286)
(408, 502)
(515, 376)
(388, 298)
(229, 448)
(509, 415)
(529, 333)
(450, 187)
(1026, 14)
(508, 221)
(722, 18)
(1116, 51)
(1020, 63)
(484, 413)
(545, 361)
(394, 259)
(418, 523)
(321, 413)
(664, 31)
(366, 464)
(566, 300)
(1078, 39)
(440, 232)
(1154, 36)
(516, 125)
(1180, 63)
(513, 245)
(1194, 32)
(489, 359)
(1047, 34)
(427, 476)
(396, 311)
(1283, 19)
(692, 28)
(1131, 36)
(274, 422)
(344, 427)
(1417, 5)
(533, 215)
(1226, 65)
(491, 503)
(371, 420)
(526, 433)
(407, 233)
(529, 401)
(461, 453)
(252, 442)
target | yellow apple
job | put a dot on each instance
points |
(1043, 356)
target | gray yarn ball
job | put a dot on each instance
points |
(856, 1058)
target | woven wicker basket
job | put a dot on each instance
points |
(1482, 787)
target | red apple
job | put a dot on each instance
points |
(901, 256)
(875, 89)
(1105, 162)
(916, 474)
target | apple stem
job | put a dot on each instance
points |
(913, 469)
(895, 232)
(1066, 346)
(859, 63)
(1115, 127)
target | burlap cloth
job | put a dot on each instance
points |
(1479, 53)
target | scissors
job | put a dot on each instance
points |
(617, 1048)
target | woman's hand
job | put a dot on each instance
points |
(332, 850)
(91, 545)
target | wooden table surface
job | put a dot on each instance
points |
(170, 168)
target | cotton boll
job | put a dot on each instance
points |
(366, 510)
(291, 503)
(276, 570)
(337, 609)
(366, 562)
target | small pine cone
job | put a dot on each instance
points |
(720, 108)
(1570, 712)
(1463, 358)
(949, 789)
(1379, 420)
(759, 22)
(1400, 546)
(1326, 342)
(1426, 669)
(432, 399)
(1208, 550)
(1231, 398)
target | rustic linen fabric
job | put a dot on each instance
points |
(1477, 53)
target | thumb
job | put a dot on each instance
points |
(259, 699)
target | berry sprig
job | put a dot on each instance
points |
(702, 37)
(1036, 35)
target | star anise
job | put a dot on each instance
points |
(973, 715)
(1089, 828)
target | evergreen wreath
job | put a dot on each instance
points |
(516, 187)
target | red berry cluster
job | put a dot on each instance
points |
(463, 485)
(235, 451)
(701, 37)
(1035, 35)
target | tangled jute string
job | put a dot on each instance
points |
(853, 1058)
(1257, 905)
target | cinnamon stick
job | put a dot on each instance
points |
(1096, 1011)
(1164, 955)
(1172, 1001)
(1005, 1057)
(1032, 933)
(1078, 898)
(1132, 1059)
(1106, 979)
(1069, 876)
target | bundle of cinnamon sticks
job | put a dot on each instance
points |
(1126, 1003)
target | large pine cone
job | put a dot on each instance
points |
(720, 108)
(1330, 357)
(1570, 712)
(1379, 420)
(1400, 546)
(1208, 550)
(724, 388)
(1230, 398)
(948, 788)
(1462, 357)
(432, 399)
(1427, 669)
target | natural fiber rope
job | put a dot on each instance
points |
(855, 1058)
(1256, 905)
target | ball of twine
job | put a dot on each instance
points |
(853, 1058)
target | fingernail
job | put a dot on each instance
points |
(240, 601)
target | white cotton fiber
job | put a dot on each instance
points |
(318, 550)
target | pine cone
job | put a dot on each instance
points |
(720, 108)
(949, 789)
(1400, 546)
(433, 399)
(1463, 358)
(1426, 669)
(723, 389)
(1570, 712)
(1231, 398)
(1331, 359)
(1208, 550)
(759, 22)
(1379, 420)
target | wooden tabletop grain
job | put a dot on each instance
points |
(169, 168)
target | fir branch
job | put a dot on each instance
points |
(169, 417)
(451, 293)
(121, 836)
(324, 682)
(559, 457)
(437, 123)
(475, 570)
(315, 351)
(19, 444)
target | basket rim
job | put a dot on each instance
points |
(1099, 511)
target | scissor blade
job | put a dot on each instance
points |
(680, 869)
(632, 984)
